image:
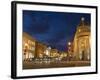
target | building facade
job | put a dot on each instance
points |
(81, 44)
(54, 53)
(28, 46)
(40, 49)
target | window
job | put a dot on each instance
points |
(79, 30)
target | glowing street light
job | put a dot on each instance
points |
(69, 43)
(82, 18)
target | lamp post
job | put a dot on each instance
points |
(69, 50)
(69, 43)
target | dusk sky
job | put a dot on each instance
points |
(55, 29)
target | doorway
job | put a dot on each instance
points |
(83, 55)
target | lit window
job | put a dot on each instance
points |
(33, 43)
(33, 48)
(79, 30)
(29, 41)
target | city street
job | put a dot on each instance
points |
(36, 65)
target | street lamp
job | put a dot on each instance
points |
(69, 50)
(69, 43)
(82, 19)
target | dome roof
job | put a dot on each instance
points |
(83, 26)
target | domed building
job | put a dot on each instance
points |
(81, 44)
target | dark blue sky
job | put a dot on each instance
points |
(52, 28)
